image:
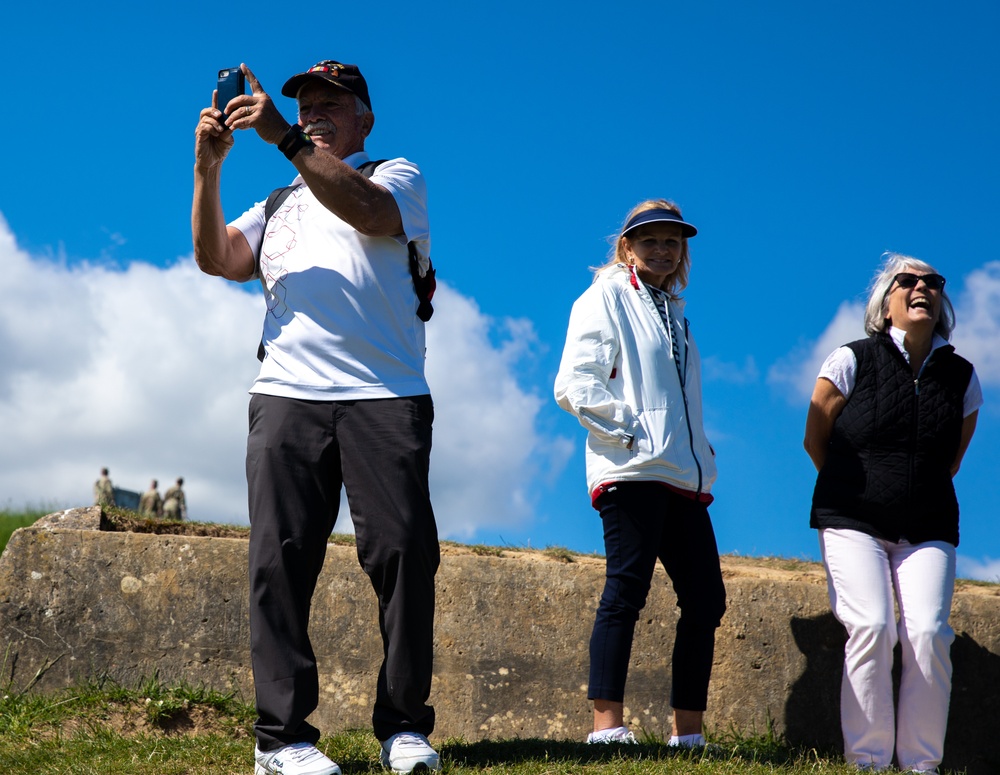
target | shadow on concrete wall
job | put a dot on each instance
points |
(974, 717)
(812, 711)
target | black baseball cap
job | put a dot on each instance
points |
(347, 77)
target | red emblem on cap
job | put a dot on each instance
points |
(332, 69)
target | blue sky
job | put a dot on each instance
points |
(802, 139)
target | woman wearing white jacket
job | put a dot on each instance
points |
(631, 374)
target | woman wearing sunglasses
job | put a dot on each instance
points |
(890, 419)
(631, 374)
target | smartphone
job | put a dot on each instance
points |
(231, 84)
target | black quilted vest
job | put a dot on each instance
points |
(887, 470)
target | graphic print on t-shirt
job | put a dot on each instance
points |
(278, 241)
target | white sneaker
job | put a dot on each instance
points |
(695, 743)
(613, 735)
(687, 741)
(295, 759)
(409, 752)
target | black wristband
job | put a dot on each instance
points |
(293, 141)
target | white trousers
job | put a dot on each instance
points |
(865, 575)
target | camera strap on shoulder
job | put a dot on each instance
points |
(424, 285)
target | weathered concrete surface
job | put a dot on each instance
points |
(511, 637)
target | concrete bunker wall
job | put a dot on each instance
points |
(511, 637)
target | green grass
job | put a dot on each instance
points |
(482, 550)
(11, 521)
(154, 729)
(560, 553)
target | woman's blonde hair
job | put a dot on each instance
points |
(618, 254)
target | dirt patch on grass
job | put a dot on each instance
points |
(130, 719)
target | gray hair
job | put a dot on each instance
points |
(878, 295)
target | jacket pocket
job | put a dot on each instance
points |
(654, 437)
(609, 432)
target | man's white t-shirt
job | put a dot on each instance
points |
(341, 319)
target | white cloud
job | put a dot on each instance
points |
(146, 371)
(796, 372)
(715, 369)
(977, 333)
(143, 370)
(488, 455)
(982, 570)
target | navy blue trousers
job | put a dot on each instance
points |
(643, 522)
(299, 454)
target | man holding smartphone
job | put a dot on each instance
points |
(340, 400)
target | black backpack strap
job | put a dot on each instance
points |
(275, 200)
(368, 168)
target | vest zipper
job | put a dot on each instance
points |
(916, 427)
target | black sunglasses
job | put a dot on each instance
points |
(934, 282)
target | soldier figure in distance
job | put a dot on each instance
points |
(104, 491)
(174, 505)
(151, 504)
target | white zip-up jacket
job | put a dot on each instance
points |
(618, 376)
